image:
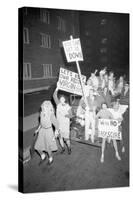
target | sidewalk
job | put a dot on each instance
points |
(30, 122)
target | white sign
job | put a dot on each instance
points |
(109, 129)
(69, 81)
(73, 50)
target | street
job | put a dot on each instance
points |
(80, 170)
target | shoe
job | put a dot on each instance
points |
(117, 156)
(102, 159)
(69, 151)
(50, 160)
(43, 158)
(123, 150)
(62, 150)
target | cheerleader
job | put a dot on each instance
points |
(46, 142)
(63, 114)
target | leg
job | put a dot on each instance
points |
(62, 144)
(92, 119)
(41, 154)
(50, 159)
(87, 125)
(123, 147)
(68, 145)
(116, 150)
(103, 148)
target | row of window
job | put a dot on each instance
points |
(45, 39)
(45, 18)
(47, 71)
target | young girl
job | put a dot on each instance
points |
(63, 114)
(104, 113)
(46, 141)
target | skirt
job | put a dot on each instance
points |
(46, 140)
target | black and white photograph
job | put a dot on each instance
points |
(74, 89)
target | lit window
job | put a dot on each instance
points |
(44, 16)
(103, 50)
(103, 21)
(27, 71)
(47, 70)
(26, 36)
(45, 40)
(104, 40)
(61, 24)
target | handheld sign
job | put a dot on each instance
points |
(69, 81)
(73, 53)
(109, 129)
(73, 50)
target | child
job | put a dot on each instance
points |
(104, 113)
(63, 114)
(46, 141)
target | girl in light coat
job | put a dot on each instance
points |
(63, 114)
(46, 142)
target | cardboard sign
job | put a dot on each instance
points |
(73, 50)
(69, 81)
(109, 129)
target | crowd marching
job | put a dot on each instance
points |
(104, 97)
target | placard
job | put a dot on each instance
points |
(73, 50)
(69, 81)
(109, 129)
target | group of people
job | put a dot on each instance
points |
(46, 142)
(95, 103)
(105, 98)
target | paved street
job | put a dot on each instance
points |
(80, 170)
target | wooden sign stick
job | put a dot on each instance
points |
(80, 77)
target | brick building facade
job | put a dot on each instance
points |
(43, 55)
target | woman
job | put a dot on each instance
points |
(120, 85)
(111, 84)
(63, 114)
(104, 113)
(46, 142)
(107, 97)
(90, 110)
